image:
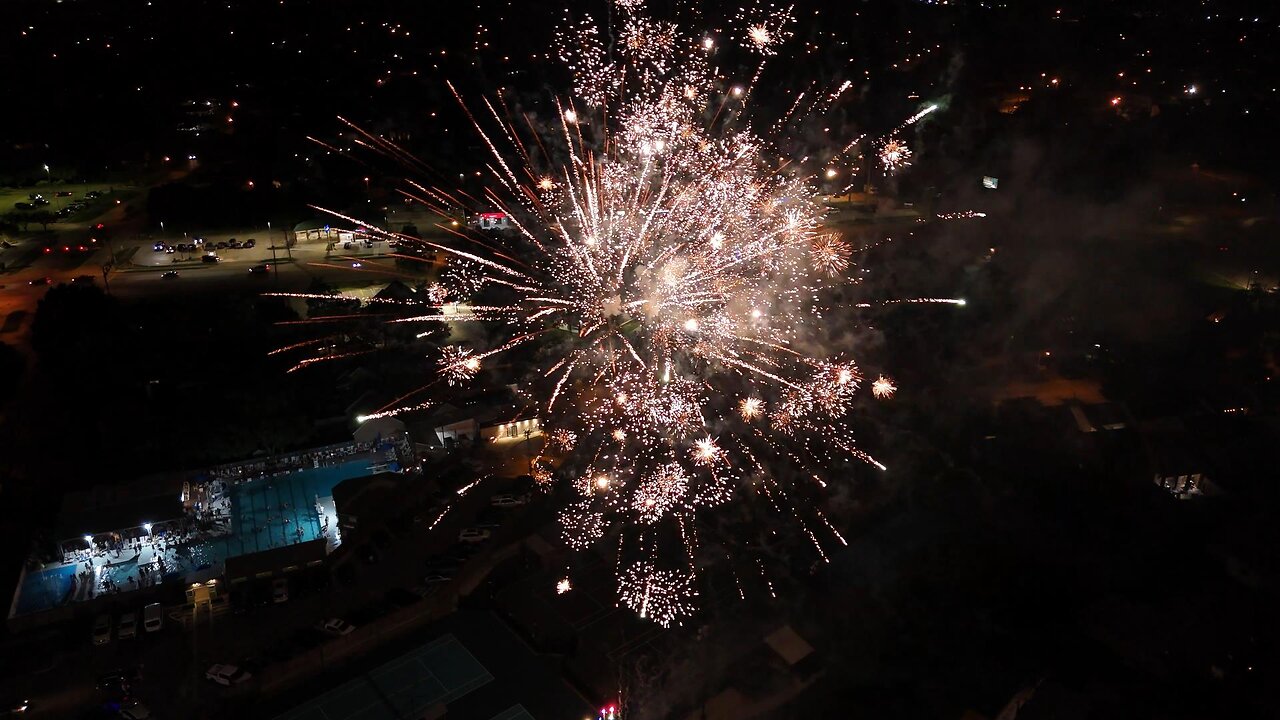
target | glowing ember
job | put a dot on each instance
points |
(883, 388)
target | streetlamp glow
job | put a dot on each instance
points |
(147, 527)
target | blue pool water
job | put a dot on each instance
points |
(260, 509)
(45, 589)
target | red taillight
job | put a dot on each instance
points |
(66, 248)
(48, 250)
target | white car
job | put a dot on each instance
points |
(279, 590)
(102, 630)
(336, 627)
(508, 500)
(474, 535)
(128, 626)
(226, 675)
(135, 711)
(153, 617)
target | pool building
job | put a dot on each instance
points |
(228, 523)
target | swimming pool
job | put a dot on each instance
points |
(45, 590)
(266, 513)
(275, 512)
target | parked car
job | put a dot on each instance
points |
(134, 711)
(10, 706)
(223, 245)
(234, 244)
(507, 500)
(226, 675)
(40, 281)
(335, 627)
(127, 628)
(424, 591)
(474, 535)
(279, 590)
(210, 259)
(153, 617)
(102, 630)
(462, 551)
(118, 679)
(250, 243)
(169, 274)
(444, 564)
(260, 269)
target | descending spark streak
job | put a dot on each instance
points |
(312, 361)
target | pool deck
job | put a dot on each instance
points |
(267, 512)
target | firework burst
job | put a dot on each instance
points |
(458, 364)
(830, 253)
(894, 155)
(883, 388)
(662, 264)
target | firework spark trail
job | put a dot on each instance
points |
(395, 411)
(917, 301)
(326, 358)
(304, 343)
(670, 264)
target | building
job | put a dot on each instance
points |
(492, 221)
(1098, 416)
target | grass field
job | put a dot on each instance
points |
(11, 195)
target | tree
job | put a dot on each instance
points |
(44, 217)
(19, 220)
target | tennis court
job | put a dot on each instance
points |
(439, 672)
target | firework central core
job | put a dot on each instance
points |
(612, 306)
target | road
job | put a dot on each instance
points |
(143, 276)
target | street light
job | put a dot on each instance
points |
(47, 173)
(147, 527)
